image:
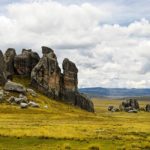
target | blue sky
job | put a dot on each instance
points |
(108, 40)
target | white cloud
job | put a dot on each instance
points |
(106, 55)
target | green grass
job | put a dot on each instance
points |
(63, 126)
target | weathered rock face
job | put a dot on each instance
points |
(3, 74)
(9, 60)
(46, 75)
(25, 62)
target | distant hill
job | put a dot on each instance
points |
(115, 92)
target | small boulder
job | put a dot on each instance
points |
(16, 87)
(33, 104)
(21, 100)
(23, 105)
(32, 92)
(110, 108)
(129, 104)
(133, 111)
(9, 60)
(147, 108)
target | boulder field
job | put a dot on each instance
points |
(45, 74)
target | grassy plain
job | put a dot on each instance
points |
(61, 126)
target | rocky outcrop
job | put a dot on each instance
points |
(46, 76)
(3, 73)
(25, 62)
(69, 81)
(9, 60)
(131, 104)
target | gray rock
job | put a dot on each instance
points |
(9, 60)
(25, 62)
(115, 110)
(46, 50)
(33, 104)
(1, 95)
(110, 108)
(133, 111)
(129, 104)
(32, 92)
(3, 74)
(83, 102)
(11, 99)
(46, 107)
(16, 87)
(147, 108)
(70, 78)
(21, 95)
(23, 105)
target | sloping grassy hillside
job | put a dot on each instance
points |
(62, 126)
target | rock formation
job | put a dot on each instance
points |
(46, 76)
(25, 62)
(130, 104)
(3, 74)
(70, 81)
(147, 108)
(9, 60)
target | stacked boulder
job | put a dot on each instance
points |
(147, 108)
(3, 73)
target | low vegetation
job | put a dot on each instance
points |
(62, 126)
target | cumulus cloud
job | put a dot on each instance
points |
(107, 54)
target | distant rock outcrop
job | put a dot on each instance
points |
(9, 60)
(130, 104)
(25, 62)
